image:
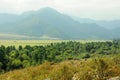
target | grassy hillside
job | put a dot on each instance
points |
(90, 69)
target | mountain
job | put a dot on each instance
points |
(83, 20)
(52, 24)
(111, 24)
(7, 18)
(116, 32)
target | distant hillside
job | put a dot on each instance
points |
(111, 24)
(49, 22)
(116, 32)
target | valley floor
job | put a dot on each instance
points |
(23, 43)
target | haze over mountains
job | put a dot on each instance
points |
(48, 23)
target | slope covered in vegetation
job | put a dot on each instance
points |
(12, 58)
(90, 69)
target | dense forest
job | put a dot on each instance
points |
(15, 58)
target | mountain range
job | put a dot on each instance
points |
(47, 23)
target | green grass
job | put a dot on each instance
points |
(23, 43)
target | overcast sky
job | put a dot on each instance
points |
(95, 9)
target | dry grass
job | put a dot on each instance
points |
(91, 69)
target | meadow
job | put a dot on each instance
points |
(23, 43)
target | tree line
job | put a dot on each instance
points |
(15, 58)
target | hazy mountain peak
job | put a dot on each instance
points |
(48, 21)
(42, 11)
(48, 10)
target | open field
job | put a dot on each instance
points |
(40, 42)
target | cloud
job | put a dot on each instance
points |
(96, 9)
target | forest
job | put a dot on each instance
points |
(12, 58)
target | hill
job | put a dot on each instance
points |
(97, 69)
(61, 61)
(51, 23)
(108, 24)
(116, 32)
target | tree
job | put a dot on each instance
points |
(16, 63)
(20, 47)
(3, 59)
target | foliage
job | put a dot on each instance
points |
(14, 58)
(90, 69)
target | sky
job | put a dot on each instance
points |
(94, 9)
